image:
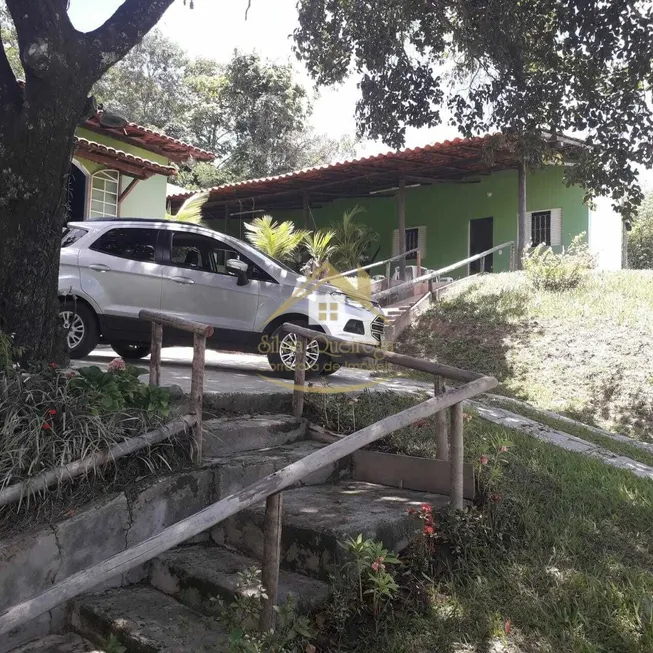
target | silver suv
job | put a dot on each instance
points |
(111, 269)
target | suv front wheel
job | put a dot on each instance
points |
(283, 355)
(80, 324)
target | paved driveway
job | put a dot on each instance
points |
(250, 373)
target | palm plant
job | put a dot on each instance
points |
(191, 209)
(319, 248)
(352, 241)
(278, 240)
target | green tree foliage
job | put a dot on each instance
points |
(640, 239)
(10, 41)
(519, 67)
(251, 113)
(147, 85)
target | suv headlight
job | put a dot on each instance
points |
(350, 301)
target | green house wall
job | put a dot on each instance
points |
(446, 210)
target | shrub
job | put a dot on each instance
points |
(9, 353)
(51, 418)
(640, 239)
(548, 270)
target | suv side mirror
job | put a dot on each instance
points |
(239, 269)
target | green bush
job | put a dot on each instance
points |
(9, 353)
(640, 239)
(548, 270)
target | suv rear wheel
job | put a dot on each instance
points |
(131, 351)
(282, 358)
(81, 328)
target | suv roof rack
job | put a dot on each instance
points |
(191, 224)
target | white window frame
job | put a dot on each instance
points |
(109, 208)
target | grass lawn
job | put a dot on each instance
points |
(586, 352)
(569, 564)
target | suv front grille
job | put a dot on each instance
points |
(377, 328)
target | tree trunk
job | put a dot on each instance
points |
(35, 153)
(523, 215)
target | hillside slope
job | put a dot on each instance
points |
(587, 353)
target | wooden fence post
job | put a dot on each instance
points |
(196, 395)
(300, 376)
(512, 257)
(441, 434)
(271, 560)
(419, 263)
(155, 354)
(388, 272)
(456, 456)
(482, 265)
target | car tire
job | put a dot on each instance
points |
(131, 352)
(81, 326)
(281, 354)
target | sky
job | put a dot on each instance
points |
(215, 28)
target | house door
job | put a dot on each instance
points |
(480, 240)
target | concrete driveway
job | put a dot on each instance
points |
(250, 373)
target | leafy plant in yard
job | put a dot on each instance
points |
(319, 247)
(113, 645)
(52, 418)
(240, 617)
(280, 240)
(548, 270)
(640, 239)
(120, 389)
(352, 241)
(9, 352)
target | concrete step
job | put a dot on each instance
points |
(196, 574)
(69, 643)
(146, 621)
(238, 470)
(226, 435)
(316, 519)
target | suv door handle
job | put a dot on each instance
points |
(183, 280)
(99, 267)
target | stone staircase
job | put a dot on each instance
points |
(170, 610)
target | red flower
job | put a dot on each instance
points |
(426, 507)
(503, 449)
(429, 530)
(378, 564)
(52, 366)
(496, 497)
(70, 375)
(420, 422)
(46, 427)
(507, 627)
(484, 460)
(52, 411)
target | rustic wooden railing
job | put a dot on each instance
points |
(431, 276)
(200, 333)
(270, 488)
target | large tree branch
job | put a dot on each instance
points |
(125, 29)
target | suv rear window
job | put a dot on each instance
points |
(131, 243)
(71, 235)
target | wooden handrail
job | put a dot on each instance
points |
(347, 347)
(436, 273)
(201, 521)
(200, 333)
(373, 265)
(165, 319)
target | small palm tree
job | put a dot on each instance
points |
(319, 248)
(352, 241)
(191, 209)
(278, 240)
